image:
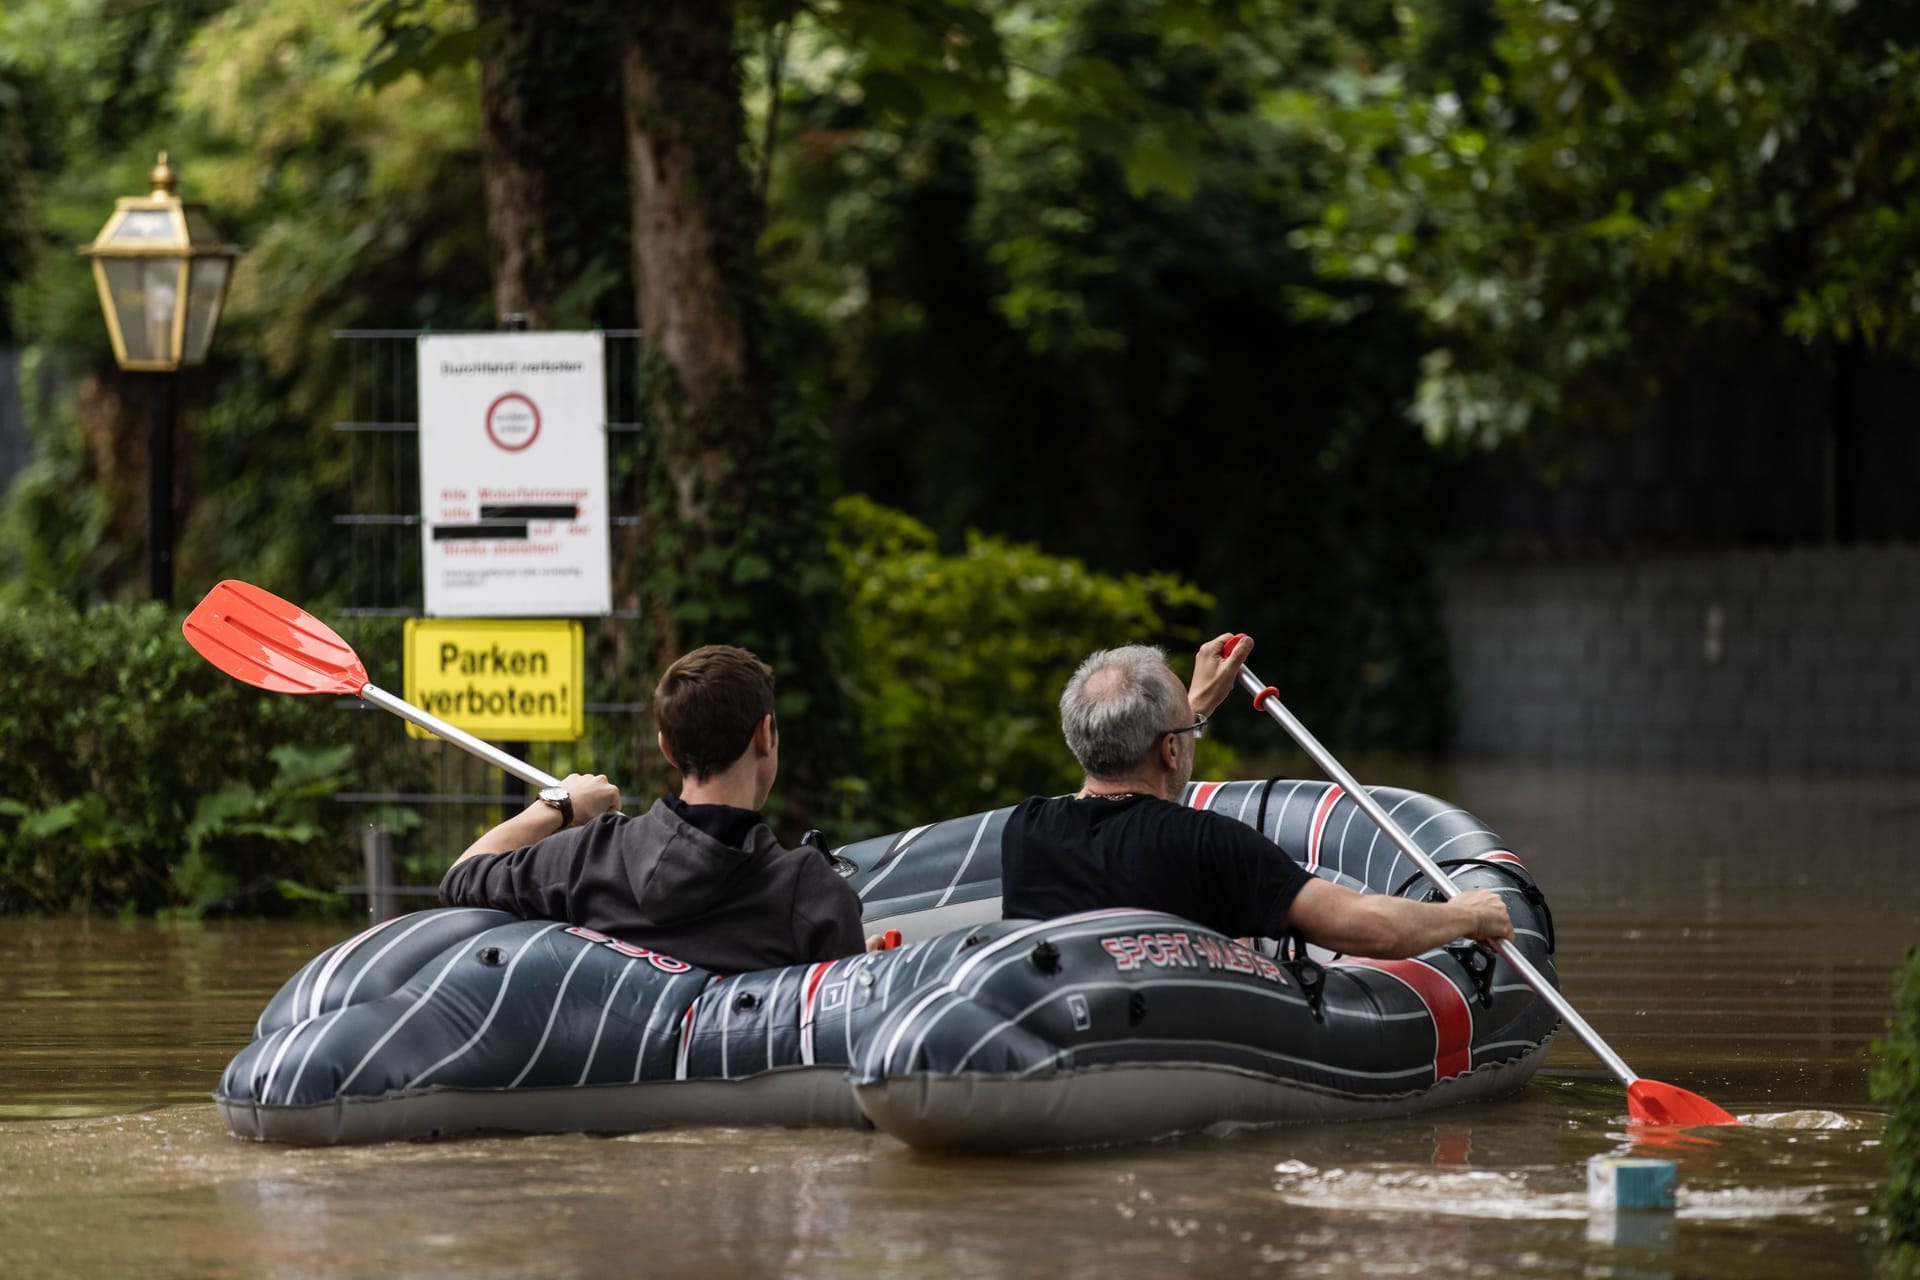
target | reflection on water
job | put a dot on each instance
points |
(1735, 939)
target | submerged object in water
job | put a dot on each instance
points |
(987, 1035)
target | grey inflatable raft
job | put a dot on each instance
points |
(979, 1034)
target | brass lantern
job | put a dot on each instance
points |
(162, 273)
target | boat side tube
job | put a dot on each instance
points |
(1122, 1026)
(535, 1026)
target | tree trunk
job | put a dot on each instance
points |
(550, 103)
(735, 533)
(694, 221)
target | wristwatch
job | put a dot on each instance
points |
(559, 799)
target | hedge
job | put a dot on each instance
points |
(1896, 1084)
(956, 663)
(137, 777)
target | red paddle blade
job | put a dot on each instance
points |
(255, 636)
(1651, 1102)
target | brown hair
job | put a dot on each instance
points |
(708, 704)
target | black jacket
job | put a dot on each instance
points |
(660, 882)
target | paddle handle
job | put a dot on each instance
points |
(458, 737)
(1265, 700)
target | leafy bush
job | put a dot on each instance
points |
(138, 777)
(1896, 1084)
(956, 663)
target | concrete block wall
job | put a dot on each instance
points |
(1787, 663)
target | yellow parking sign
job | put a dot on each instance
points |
(510, 680)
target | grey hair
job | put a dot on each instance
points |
(1112, 728)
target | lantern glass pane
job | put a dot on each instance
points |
(145, 292)
(145, 226)
(206, 288)
(200, 228)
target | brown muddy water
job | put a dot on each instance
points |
(1733, 937)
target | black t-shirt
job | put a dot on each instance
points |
(1066, 855)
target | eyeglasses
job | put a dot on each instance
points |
(1199, 723)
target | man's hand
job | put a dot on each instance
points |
(1486, 918)
(592, 796)
(1214, 672)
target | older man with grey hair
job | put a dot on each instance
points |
(1124, 840)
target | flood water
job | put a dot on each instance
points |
(1736, 938)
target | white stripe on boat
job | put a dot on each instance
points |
(981, 831)
(898, 853)
(403, 1019)
(552, 1013)
(340, 953)
(1282, 995)
(499, 998)
(601, 1025)
(1318, 1064)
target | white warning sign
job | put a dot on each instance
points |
(513, 475)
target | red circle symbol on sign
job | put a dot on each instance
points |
(513, 422)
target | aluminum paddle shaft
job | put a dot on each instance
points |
(433, 724)
(1265, 700)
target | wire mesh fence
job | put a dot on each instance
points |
(424, 801)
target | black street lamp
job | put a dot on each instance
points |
(162, 270)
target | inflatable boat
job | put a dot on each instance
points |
(977, 1034)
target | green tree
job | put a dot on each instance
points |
(1067, 314)
(356, 208)
(1569, 196)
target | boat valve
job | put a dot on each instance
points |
(1137, 1009)
(1477, 960)
(1046, 958)
(1307, 972)
(842, 867)
(492, 957)
(1313, 981)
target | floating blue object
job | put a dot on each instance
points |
(1618, 1184)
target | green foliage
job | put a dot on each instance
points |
(1567, 195)
(1006, 328)
(139, 776)
(1896, 1086)
(956, 662)
(358, 210)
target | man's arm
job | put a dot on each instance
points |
(592, 796)
(1390, 928)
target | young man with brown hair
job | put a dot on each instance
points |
(699, 876)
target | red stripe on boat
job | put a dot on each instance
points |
(1204, 793)
(686, 1029)
(686, 1042)
(1501, 855)
(814, 975)
(1319, 825)
(1452, 1018)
